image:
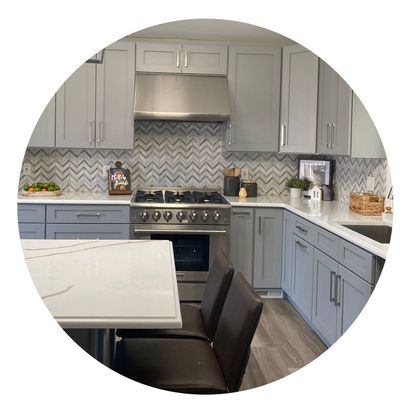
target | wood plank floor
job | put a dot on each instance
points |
(283, 343)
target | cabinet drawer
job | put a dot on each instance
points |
(32, 230)
(87, 231)
(303, 228)
(326, 242)
(31, 213)
(361, 262)
(88, 214)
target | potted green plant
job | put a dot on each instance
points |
(295, 186)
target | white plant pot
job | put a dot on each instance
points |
(295, 192)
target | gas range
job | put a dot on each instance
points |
(179, 206)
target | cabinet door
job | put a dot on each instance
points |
(287, 251)
(254, 88)
(241, 241)
(366, 142)
(302, 275)
(158, 57)
(115, 97)
(327, 105)
(299, 100)
(342, 128)
(44, 133)
(75, 110)
(324, 309)
(204, 59)
(87, 231)
(268, 249)
(352, 294)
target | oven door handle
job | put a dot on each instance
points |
(201, 231)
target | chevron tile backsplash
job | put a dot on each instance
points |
(168, 153)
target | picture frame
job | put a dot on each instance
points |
(119, 180)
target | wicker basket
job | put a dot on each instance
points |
(366, 204)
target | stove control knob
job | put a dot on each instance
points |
(167, 215)
(217, 216)
(156, 215)
(205, 216)
(193, 216)
(180, 216)
(144, 215)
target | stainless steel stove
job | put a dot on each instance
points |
(196, 221)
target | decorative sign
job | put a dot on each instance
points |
(119, 180)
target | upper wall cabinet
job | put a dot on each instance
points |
(334, 113)
(254, 88)
(95, 105)
(366, 142)
(44, 132)
(181, 58)
(299, 100)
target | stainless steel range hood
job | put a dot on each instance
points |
(181, 97)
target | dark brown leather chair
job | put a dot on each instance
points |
(194, 365)
(198, 321)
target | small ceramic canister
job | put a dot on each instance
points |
(243, 193)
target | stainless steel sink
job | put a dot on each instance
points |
(379, 233)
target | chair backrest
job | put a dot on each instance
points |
(236, 327)
(219, 279)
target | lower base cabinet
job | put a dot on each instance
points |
(339, 296)
(241, 241)
(87, 231)
(302, 275)
(256, 245)
(32, 230)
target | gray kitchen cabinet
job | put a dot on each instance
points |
(32, 230)
(94, 107)
(299, 100)
(326, 242)
(268, 249)
(181, 58)
(334, 113)
(287, 251)
(91, 214)
(241, 241)
(31, 221)
(302, 275)
(44, 133)
(366, 142)
(324, 309)
(352, 295)
(254, 88)
(87, 231)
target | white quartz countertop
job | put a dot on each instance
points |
(106, 283)
(330, 215)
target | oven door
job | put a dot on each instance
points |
(194, 248)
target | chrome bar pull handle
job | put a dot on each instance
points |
(99, 131)
(178, 58)
(186, 59)
(332, 293)
(328, 135)
(301, 229)
(301, 245)
(332, 140)
(282, 135)
(338, 290)
(260, 225)
(230, 134)
(90, 140)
